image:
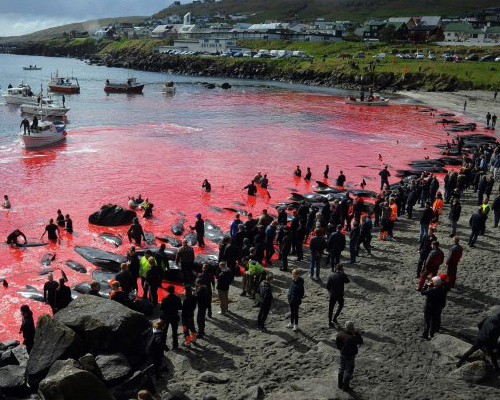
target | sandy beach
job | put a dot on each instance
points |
(394, 362)
(479, 102)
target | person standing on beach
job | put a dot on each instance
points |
(435, 302)
(425, 220)
(317, 246)
(295, 295)
(496, 211)
(454, 258)
(493, 121)
(336, 244)
(223, 282)
(384, 177)
(431, 266)
(335, 287)
(327, 170)
(202, 303)
(170, 307)
(454, 216)
(266, 298)
(495, 96)
(209, 281)
(465, 105)
(347, 342)
(27, 327)
(475, 222)
(488, 117)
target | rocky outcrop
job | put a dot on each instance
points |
(114, 367)
(12, 378)
(472, 373)
(106, 326)
(53, 341)
(66, 380)
(112, 215)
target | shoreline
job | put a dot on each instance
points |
(479, 102)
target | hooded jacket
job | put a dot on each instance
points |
(296, 291)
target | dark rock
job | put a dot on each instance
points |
(143, 306)
(7, 358)
(53, 341)
(225, 85)
(12, 378)
(112, 215)
(209, 86)
(66, 381)
(21, 355)
(88, 363)
(212, 377)
(472, 373)
(114, 367)
(105, 326)
(140, 380)
(6, 344)
(253, 393)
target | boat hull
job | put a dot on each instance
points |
(55, 133)
(31, 69)
(35, 109)
(124, 88)
(71, 89)
(377, 103)
(20, 99)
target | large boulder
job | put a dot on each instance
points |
(12, 378)
(53, 341)
(453, 347)
(106, 326)
(114, 367)
(472, 373)
(66, 380)
(112, 215)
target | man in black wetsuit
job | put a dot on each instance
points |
(252, 189)
(135, 231)
(341, 179)
(199, 227)
(25, 124)
(52, 230)
(49, 292)
(298, 172)
(13, 237)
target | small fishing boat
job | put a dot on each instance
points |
(20, 95)
(131, 86)
(45, 108)
(32, 68)
(48, 133)
(168, 87)
(64, 84)
(374, 101)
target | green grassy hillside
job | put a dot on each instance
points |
(354, 10)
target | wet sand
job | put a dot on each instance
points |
(479, 102)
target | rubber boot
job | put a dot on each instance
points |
(346, 387)
(340, 379)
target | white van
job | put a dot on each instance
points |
(299, 53)
(263, 51)
(273, 53)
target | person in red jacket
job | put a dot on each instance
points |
(432, 263)
(454, 257)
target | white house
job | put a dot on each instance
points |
(162, 30)
(140, 31)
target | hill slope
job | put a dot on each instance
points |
(355, 10)
(91, 25)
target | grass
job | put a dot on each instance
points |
(139, 45)
(326, 59)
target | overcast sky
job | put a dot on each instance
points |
(18, 17)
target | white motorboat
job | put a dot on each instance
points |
(46, 134)
(46, 108)
(20, 95)
(168, 87)
(373, 101)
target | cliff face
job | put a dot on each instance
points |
(250, 69)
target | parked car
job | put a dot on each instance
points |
(472, 57)
(237, 54)
(247, 53)
(497, 59)
(447, 57)
(488, 57)
(360, 54)
(299, 53)
(419, 55)
(380, 56)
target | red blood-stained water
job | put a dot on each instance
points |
(167, 163)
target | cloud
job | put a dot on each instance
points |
(26, 16)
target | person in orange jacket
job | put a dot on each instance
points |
(437, 207)
(394, 216)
